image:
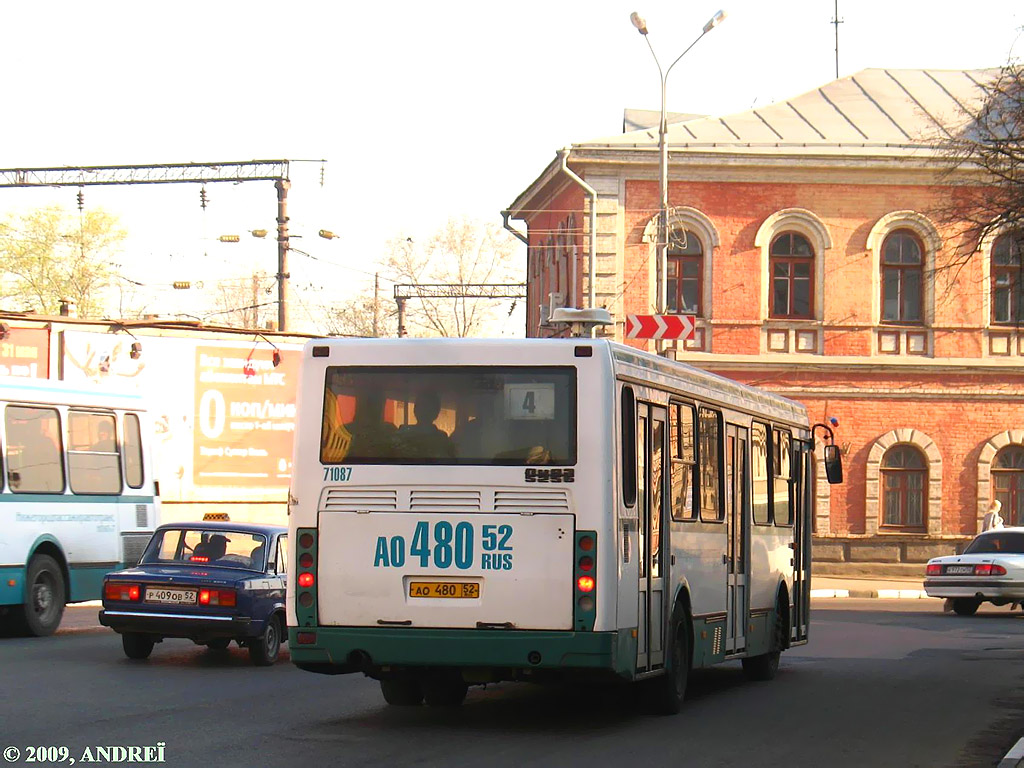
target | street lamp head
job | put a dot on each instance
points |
(714, 21)
(639, 23)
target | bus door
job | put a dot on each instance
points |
(737, 519)
(652, 458)
(804, 499)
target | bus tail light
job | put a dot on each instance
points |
(221, 597)
(305, 580)
(585, 576)
(115, 591)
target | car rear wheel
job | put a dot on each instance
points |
(44, 597)
(966, 606)
(137, 646)
(219, 644)
(402, 691)
(264, 649)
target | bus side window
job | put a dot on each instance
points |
(782, 480)
(133, 451)
(94, 462)
(683, 461)
(35, 462)
(709, 456)
(759, 447)
(628, 415)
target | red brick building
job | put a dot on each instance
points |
(807, 238)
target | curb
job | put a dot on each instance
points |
(1014, 756)
(885, 594)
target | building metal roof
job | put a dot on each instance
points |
(875, 112)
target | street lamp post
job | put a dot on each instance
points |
(661, 258)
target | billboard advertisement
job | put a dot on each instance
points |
(224, 413)
(25, 352)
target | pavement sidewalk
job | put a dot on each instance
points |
(849, 586)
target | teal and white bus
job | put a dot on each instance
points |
(472, 511)
(78, 496)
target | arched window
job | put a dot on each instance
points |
(904, 480)
(685, 273)
(1007, 271)
(1008, 482)
(902, 277)
(792, 271)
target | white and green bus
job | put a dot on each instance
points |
(471, 511)
(78, 497)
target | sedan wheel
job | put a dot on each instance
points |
(264, 649)
(966, 606)
(137, 646)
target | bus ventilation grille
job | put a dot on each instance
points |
(360, 499)
(513, 500)
(444, 499)
(141, 516)
(132, 547)
(716, 645)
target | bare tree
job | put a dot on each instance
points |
(463, 251)
(986, 165)
(362, 316)
(245, 302)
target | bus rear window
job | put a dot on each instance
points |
(497, 416)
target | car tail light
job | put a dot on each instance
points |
(114, 591)
(989, 569)
(306, 580)
(222, 597)
(934, 569)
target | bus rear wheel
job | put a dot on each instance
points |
(669, 690)
(402, 691)
(766, 666)
(448, 690)
(45, 596)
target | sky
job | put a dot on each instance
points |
(422, 111)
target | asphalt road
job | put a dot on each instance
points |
(882, 683)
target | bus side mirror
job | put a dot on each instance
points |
(833, 465)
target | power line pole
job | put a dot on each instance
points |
(376, 299)
(836, 21)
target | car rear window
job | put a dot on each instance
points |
(1005, 541)
(224, 549)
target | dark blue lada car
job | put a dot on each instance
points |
(209, 582)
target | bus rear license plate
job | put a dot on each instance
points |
(171, 596)
(449, 589)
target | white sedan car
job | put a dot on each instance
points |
(990, 569)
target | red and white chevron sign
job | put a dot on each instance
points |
(659, 327)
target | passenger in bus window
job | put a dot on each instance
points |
(373, 437)
(423, 440)
(105, 438)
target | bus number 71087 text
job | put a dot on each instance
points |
(337, 474)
